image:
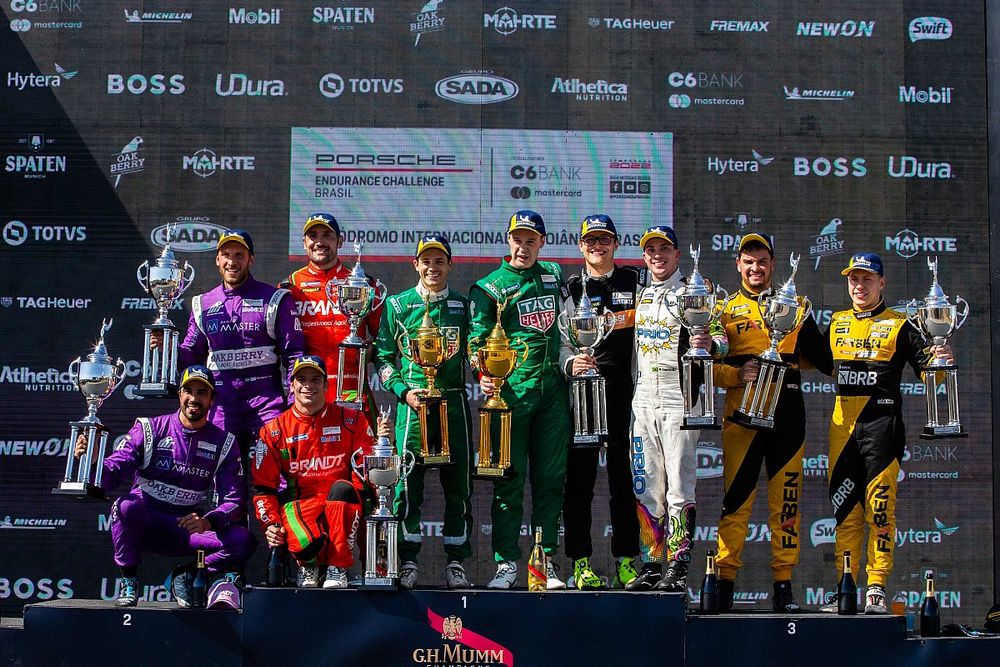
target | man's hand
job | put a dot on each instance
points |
(749, 371)
(486, 385)
(193, 523)
(943, 352)
(275, 535)
(81, 446)
(702, 341)
(582, 363)
(413, 397)
(383, 427)
(155, 339)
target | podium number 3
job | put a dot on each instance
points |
(127, 619)
(791, 627)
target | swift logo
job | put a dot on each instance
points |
(930, 27)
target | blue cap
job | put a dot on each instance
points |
(600, 223)
(240, 236)
(324, 219)
(865, 261)
(309, 361)
(527, 220)
(198, 373)
(765, 240)
(659, 232)
(433, 241)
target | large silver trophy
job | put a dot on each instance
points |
(782, 314)
(165, 282)
(937, 319)
(97, 378)
(696, 306)
(585, 330)
(355, 297)
(382, 468)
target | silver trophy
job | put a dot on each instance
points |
(355, 297)
(782, 314)
(97, 378)
(585, 330)
(937, 320)
(165, 281)
(696, 306)
(382, 468)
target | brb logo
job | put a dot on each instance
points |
(137, 84)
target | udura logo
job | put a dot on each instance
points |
(907, 166)
(476, 88)
(930, 27)
(242, 84)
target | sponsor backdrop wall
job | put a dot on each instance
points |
(836, 126)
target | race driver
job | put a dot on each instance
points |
(871, 345)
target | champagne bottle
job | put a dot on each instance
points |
(847, 591)
(199, 590)
(537, 576)
(710, 587)
(276, 568)
(930, 613)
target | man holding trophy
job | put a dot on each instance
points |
(526, 293)
(430, 315)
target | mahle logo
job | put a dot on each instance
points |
(930, 27)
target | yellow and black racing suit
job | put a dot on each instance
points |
(780, 449)
(870, 349)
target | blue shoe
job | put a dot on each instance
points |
(127, 595)
(181, 588)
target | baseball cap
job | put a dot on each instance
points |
(223, 595)
(765, 240)
(600, 223)
(527, 220)
(659, 232)
(240, 236)
(433, 241)
(324, 219)
(308, 361)
(864, 261)
(198, 373)
(993, 619)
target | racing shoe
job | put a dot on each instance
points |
(234, 578)
(647, 578)
(626, 572)
(127, 595)
(552, 580)
(180, 587)
(727, 588)
(832, 605)
(308, 576)
(336, 577)
(505, 577)
(784, 601)
(875, 600)
(454, 576)
(584, 577)
(408, 575)
(675, 578)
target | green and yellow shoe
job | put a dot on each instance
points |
(626, 571)
(584, 576)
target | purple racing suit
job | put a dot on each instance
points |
(244, 336)
(173, 470)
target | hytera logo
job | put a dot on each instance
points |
(16, 233)
(849, 378)
(344, 18)
(190, 234)
(907, 166)
(599, 91)
(722, 165)
(841, 29)
(733, 25)
(705, 80)
(506, 21)
(137, 84)
(45, 6)
(679, 101)
(935, 536)
(476, 88)
(826, 242)
(907, 243)
(913, 95)
(930, 27)
(242, 84)
(32, 80)
(822, 166)
(709, 457)
(823, 531)
(428, 19)
(243, 16)
(204, 162)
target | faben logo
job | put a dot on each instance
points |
(205, 162)
(849, 28)
(930, 27)
(476, 87)
(242, 85)
(907, 243)
(138, 84)
(709, 457)
(506, 21)
(907, 166)
(190, 234)
(259, 16)
(823, 166)
(823, 531)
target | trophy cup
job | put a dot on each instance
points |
(696, 306)
(355, 297)
(165, 282)
(97, 378)
(382, 468)
(585, 330)
(429, 349)
(496, 360)
(782, 314)
(937, 320)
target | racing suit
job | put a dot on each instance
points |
(536, 392)
(403, 314)
(173, 470)
(320, 504)
(325, 327)
(663, 457)
(615, 292)
(244, 335)
(780, 449)
(867, 436)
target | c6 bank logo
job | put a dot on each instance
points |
(537, 313)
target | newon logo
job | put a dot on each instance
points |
(930, 27)
(835, 29)
(476, 88)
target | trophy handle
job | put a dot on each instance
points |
(807, 308)
(399, 343)
(359, 470)
(379, 295)
(143, 276)
(609, 325)
(186, 279)
(910, 309)
(74, 369)
(121, 368)
(524, 353)
(961, 312)
(562, 322)
(409, 460)
(470, 351)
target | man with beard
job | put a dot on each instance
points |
(174, 461)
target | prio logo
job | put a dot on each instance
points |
(823, 531)
(930, 95)
(129, 160)
(817, 94)
(735, 25)
(849, 28)
(32, 80)
(618, 23)
(190, 234)
(204, 162)
(722, 165)
(709, 458)
(259, 16)
(907, 166)
(243, 85)
(826, 242)
(476, 88)
(156, 17)
(17, 233)
(907, 243)
(506, 21)
(930, 27)
(598, 91)
(427, 20)
(344, 18)
(332, 85)
(822, 166)
(137, 84)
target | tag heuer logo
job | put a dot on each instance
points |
(538, 313)
(6, 301)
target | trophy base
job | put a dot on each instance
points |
(755, 423)
(156, 390)
(588, 441)
(703, 422)
(941, 432)
(435, 460)
(353, 405)
(491, 472)
(379, 584)
(80, 491)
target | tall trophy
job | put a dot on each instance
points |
(497, 360)
(429, 348)
(355, 297)
(585, 330)
(382, 468)
(782, 314)
(937, 320)
(165, 282)
(97, 378)
(696, 306)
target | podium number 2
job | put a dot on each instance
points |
(791, 627)
(127, 619)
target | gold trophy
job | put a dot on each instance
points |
(497, 360)
(429, 349)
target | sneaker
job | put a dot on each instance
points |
(234, 578)
(675, 578)
(832, 605)
(181, 588)
(308, 576)
(408, 575)
(875, 600)
(336, 577)
(553, 582)
(584, 578)
(127, 595)
(648, 577)
(784, 600)
(726, 589)
(626, 570)
(505, 577)
(454, 575)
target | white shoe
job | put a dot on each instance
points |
(875, 600)
(308, 576)
(832, 605)
(408, 575)
(553, 582)
(454, 574)
(336, 577)
(505, 577)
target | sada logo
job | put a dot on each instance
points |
(190, 234)
(476, 87)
